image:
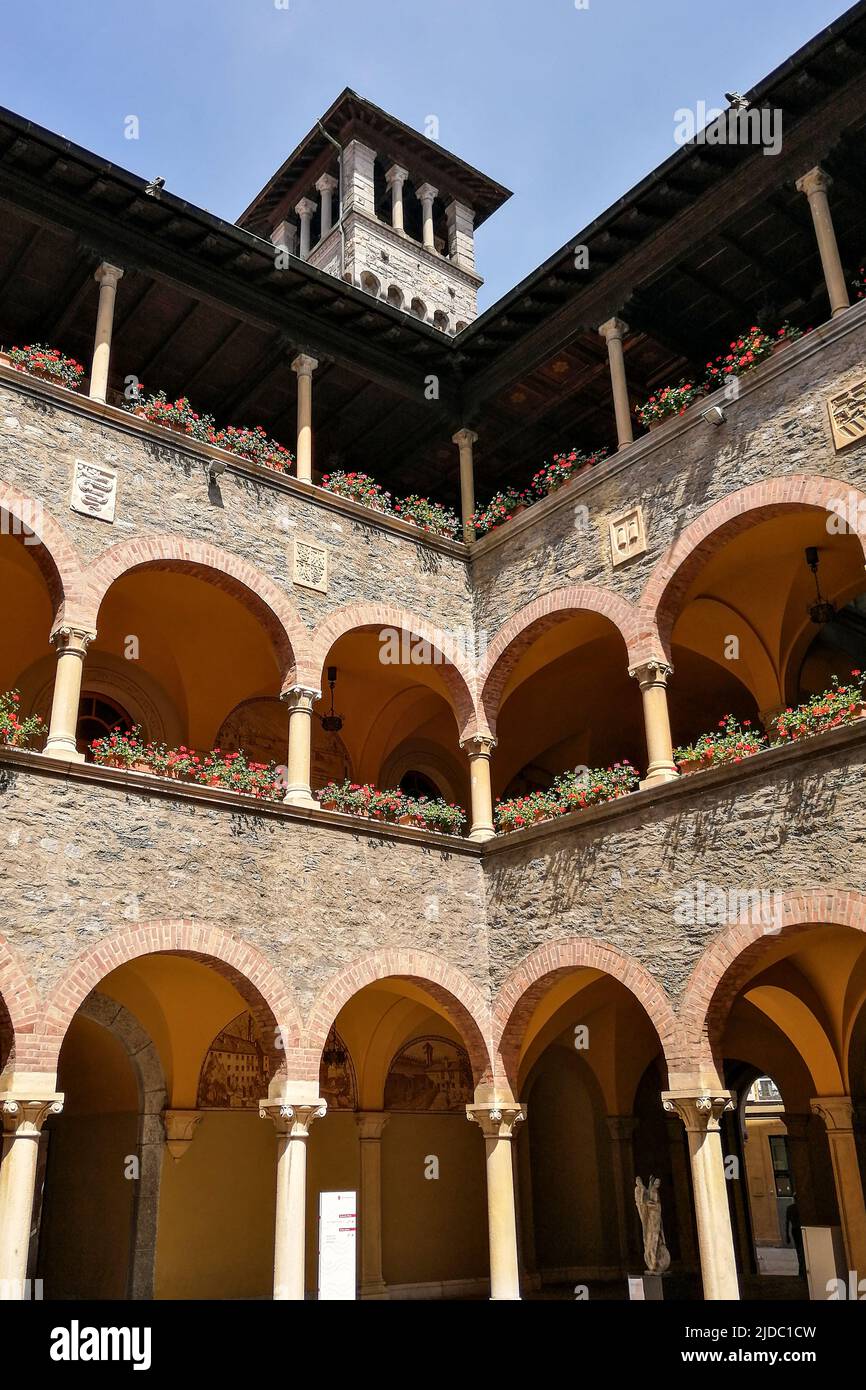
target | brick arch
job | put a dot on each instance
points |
(359, 617)
(530, 980)
(521, 630)
(19, 1012)
(45, 539)
(268, 603)
(663, 593)
(254, 977)
(461, 999)
(730, 959)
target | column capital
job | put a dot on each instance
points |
(326, 184)
(301, 697)
(426, 193)
(814, 181)
(291, 1118)
(464, 438)
(613, 328)
(396, 174)
(652, 672)
(180, 1128)
(23, 1117)
(305, 208)
(621, 1127)
(371, 1124)
(497, 1121)
(69, 638)
(108, 274)
(700, 1112)
(304, 365)
(479, 745)
(837, 1112)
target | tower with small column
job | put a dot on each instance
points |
(383, 207)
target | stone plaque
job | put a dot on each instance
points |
(848, 415)
(310, 566)
(94, 490)
(627, 535)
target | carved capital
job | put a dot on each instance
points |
(654, 672)
(108, 274)
(305, 208)
(304, 365)
(814, 181)
(426, 193)
(700, 1113)
(24, 1118)
(464, 439)
(326, 184)
(837, 1112)
(371, 1124)
(72, 639)
(292, 1119)
(301, 697)
(496, 1121)
(396, 174)
(180, 1128)
(479, 745)
(613, 328)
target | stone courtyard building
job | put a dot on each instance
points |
(217, 1006)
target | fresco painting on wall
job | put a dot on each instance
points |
(431, 1074)
(235, 1072)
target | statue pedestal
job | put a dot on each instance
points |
(645, 1288)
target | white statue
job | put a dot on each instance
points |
(655, 1252)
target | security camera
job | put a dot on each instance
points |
(714, 415)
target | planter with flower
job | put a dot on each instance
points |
(440, 816)
(571, 791)
(563, 468)
(502, 507)
(16, 732)
(177, 415)
(669, 401)
(729, 744)
(352, 798)
(47, 363)
(841, 704)
(236, 773)
(859, 283)
(125, 749)
(255, 445)
(358, 487)
(786, 335)
(429, 516)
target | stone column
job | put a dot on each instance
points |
(460, 219)
(107, 276)
(300, 700)
(426, 194)
(464, 439)
(613, 333)
(652, 677)
(325, 187)
(370, 1127)
(701, 1115)
(621, 1129)
(304, 366)
(681, 1193)
(837, 1114)
(815, 184)
(305, 210)
(292, 1121)
(479, 748)
(22, 1124)
(497, 1122)
(395, 178)
(71, 645)
(797, 1131)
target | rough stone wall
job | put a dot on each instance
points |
(779, 426)
(162, 490)
(619, 878)
(79, 861)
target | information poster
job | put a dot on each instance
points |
(337, 1228)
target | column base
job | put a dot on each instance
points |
(478, 834)
(376, 1290)
(60, 748)
(842, 309)
(301, 796)
(658, 773)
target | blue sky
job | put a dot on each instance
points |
(568, 107)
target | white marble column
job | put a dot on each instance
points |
(325, 187)
(701, 1114)
(23, 1118)
(837, 1112)
(292, 1121)
(465, 440)
(426, 195)
(304, 366)
(305, 209)
(497, 1121)
(395, 179)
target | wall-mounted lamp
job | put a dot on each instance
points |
(822, 610)
(215, 469)
(713, 415)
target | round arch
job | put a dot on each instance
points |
(667, 585)
(19, 1012)
(264, 599)
(521, 630)
(33, 526)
